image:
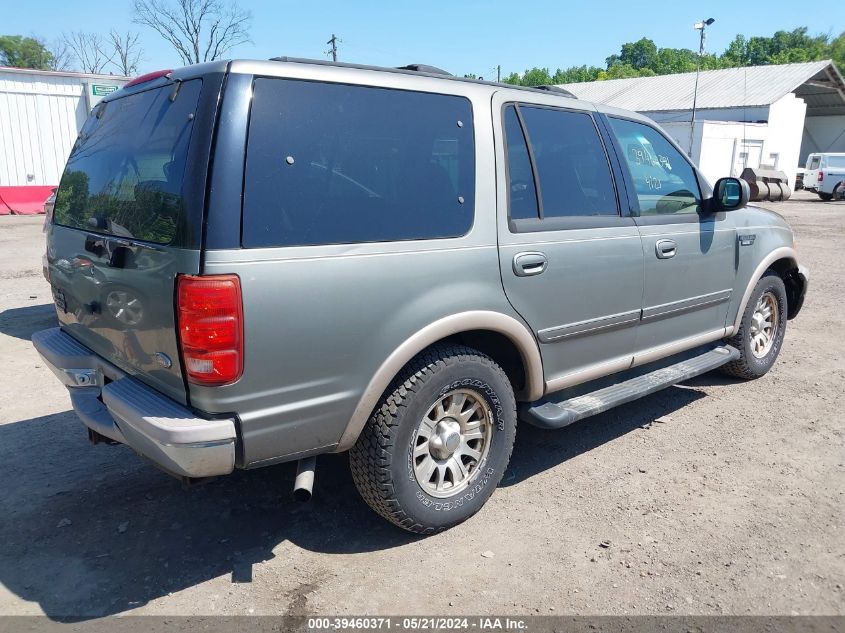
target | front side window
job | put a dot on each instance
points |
(664, 181)
(338, 164)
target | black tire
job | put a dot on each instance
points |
(749, 366)
(826, 196)
(382, 460)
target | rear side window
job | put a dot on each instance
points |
(664, 181)
(124, 175)
(336, 164)
(836, 162)
(571, 163)
(523, 193)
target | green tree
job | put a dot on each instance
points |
(837, 52)
(784, 47)
(24, 52)
(627, 71)
(576, 74)
(674, 60)
(643, 59)
(536, 77)
(638, 55)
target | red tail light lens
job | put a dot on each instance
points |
(210, 313)
(821, 176)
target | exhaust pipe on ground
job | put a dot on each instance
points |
(304, 482)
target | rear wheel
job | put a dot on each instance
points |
(761, 331)
(439, 442)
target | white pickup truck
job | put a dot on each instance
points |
(823, 172)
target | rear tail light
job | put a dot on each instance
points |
(821, 176)
(210, 321)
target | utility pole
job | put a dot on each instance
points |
(498, 73)
(698, 26)
(333, 42)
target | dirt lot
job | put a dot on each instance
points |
(732, 505)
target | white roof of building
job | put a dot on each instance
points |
(819, 83)
(61, 73)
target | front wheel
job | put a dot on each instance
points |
(439, 442)
(761, 331)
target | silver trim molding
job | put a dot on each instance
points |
(686, 305)
(559, 332)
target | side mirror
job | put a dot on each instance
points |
(730, 194)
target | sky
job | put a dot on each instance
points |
(461, 36)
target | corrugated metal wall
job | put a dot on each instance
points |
(40, 116)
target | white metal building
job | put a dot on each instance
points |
(41, 113)
(745, 117)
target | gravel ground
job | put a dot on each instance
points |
(717, 497)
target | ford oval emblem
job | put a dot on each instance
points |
(163, 360)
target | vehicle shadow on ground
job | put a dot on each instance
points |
(537, 450)
(90, 531)
(23, 322)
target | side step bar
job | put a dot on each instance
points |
(555, 415)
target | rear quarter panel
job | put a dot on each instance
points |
(321, 320)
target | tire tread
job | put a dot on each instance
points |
(741, 367)
(371, 456)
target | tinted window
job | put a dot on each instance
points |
(664, 181)
(836, 162)
(522, 193)
(571, 163)
(333, 164)
(124, 175)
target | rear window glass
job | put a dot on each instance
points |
(836, 162)
(124, 175)
(334, 164)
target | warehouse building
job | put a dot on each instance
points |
(757, 116)
(41, 113)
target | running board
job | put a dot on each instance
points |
(555, 415)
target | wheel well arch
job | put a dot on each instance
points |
(502, 337)
(787, 269)
(784, 262)
(498, 347)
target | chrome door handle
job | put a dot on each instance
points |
(665, 249)
(528, 264)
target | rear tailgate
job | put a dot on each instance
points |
(127, 221)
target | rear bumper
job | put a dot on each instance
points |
(123, 409)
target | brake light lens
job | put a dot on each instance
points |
(821, 176)
(210, 317)
(148, 77)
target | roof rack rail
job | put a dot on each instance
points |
(425, 68)
(557, 90)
